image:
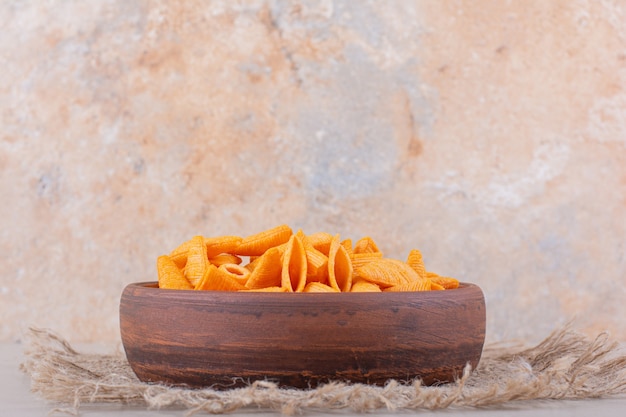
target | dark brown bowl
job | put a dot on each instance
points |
(227, 339)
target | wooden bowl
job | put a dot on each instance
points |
(228, 339)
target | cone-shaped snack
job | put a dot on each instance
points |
(361, 285)
(316, 261)
(360, 259)
(435, 287)
(339, 266)
(254, 260)
(365, 245)
(215, 246)
(387, 272)
(447, 283)
(197, 260)
(266, 289)
(416, 262)
(257, 244)
(277, 258)
(293, 274)
(318, 287)
(179, 255)
(221, 244)
(320, 241)
(266, 270)
(419, 285)
(237, 272)
(225, 258)
(215, 279)
(347, 244)
(170, 275)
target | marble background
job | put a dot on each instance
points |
(491, 135)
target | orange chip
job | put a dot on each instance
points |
(215, 246)
(254, 260)
(266, 271)
(179, 255)
(339, 266)
(419, 285)
(361, 285)
(365, 245)
(387, 272)
(436, 287)
(237, 272)
(221, 244)
(293, 274)
(266, 289)
(320, 241)
(416, 262)
(258, 243)
(215, 279)
(225, 258)
(318, 287)
(279, 260)
(170, 276)
(197, 260)
(317, 265)
(360, 259)
(447, 283)
(316, 261)
(347, 244)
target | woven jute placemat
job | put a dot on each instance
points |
(566, 365)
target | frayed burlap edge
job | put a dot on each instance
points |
(566, 365)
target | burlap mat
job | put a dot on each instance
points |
(566, 365)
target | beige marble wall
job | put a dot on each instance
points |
(491, 135)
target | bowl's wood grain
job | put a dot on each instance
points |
(225, 339)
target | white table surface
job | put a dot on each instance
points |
(16, 400)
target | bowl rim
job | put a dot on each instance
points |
(152, 288)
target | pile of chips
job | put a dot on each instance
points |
(281, 261)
